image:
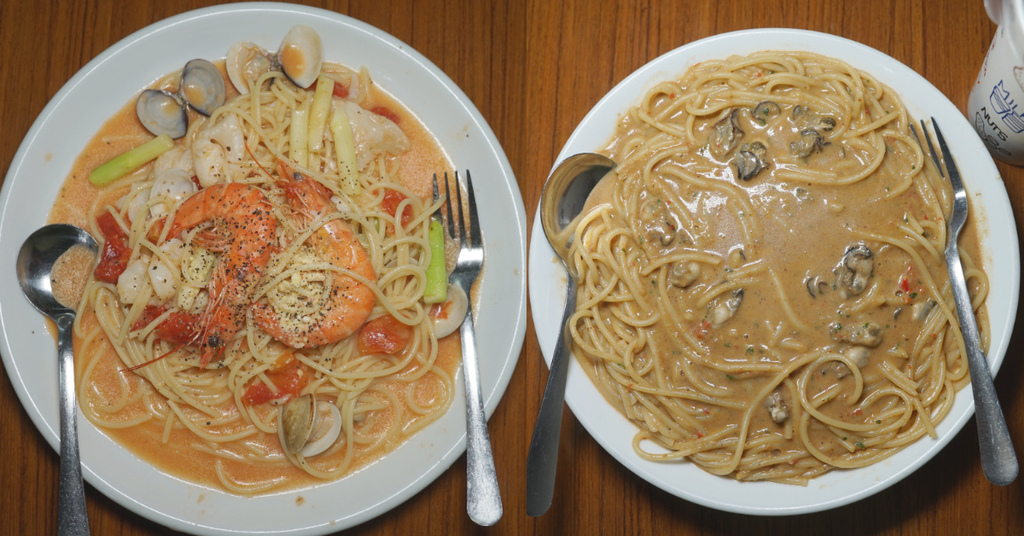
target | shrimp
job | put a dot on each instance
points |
(243, 231)
(345, 302)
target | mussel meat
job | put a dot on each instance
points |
(726, 309)
(750, 160)
(764, 111)
(726, 135)
(855, 269)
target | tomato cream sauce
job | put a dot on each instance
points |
(128, 400)
(762, 286)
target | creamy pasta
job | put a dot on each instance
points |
(762, 289)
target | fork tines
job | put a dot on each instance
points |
(459, 233)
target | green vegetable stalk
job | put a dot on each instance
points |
(436, 290)
(130, 160)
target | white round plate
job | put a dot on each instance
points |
(106, 85)
(615, 433)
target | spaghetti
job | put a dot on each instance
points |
(261, 279)
(762, 289)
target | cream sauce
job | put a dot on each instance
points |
(801, 233)
(177, 450)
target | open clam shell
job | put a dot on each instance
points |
(162, 112)
(202, 86)
(301, 55)
(245, 63)
(448, 316)
(309, 427)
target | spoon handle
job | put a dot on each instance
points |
(72, 517)
(542, 461)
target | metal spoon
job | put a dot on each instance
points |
(35, 263)
(565, 194)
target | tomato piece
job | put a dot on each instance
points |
(384, 111)
(289, 379)
(116, 253)
(702, 330)
(179, 327)
(339, 90)
(393, 198)
(384, 335)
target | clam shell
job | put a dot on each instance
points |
(245, 63)
(162, 112)
(452, 312)
(301, 55)
(326, 429)
(202, 86)
(297, 422)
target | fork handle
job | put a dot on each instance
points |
(998, 459)
(483, 498)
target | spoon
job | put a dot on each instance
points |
(562, 201)
(36, 259)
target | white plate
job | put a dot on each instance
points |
(615, 433)
(104, 86)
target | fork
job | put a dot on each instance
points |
(998, 460)
(483, 498)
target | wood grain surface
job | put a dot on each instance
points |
(534, 68)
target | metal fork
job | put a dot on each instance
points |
(483, 498)
(998, 460)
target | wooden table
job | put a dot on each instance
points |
(534, 68)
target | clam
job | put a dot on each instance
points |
(807, 143)
(683, 274)
(764, 111)
(858, 354)
(805, 118)
(726, 135)
(162, 112)
(816, 286)
(921, 310)
(301, 55)
(726, 309)
(854, 270)
(857, 333)
(202, 86)
(309, 426)
(777, 407)
(448, 316)
(750, 160)
(245, 63)
(655, 219)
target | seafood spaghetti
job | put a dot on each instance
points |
(762, 288)
(258, 319)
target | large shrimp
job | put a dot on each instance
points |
(346, 301)
(243, 230)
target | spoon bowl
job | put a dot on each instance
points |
(565, 194)
(36, 261)
(562, 202)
